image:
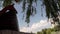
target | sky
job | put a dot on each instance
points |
(37, 22)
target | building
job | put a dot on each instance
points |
(8, 21)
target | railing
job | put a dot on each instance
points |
(12, 32)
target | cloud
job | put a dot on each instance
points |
(36, 26)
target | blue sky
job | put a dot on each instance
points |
(33, 19)
(37, 22)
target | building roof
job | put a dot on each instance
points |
(9, 7)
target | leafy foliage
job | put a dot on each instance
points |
(7, 2)
(52, 9)
(30, 9)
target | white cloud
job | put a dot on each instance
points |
(36, 26)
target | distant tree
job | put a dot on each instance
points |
(39, 32)
(47, 31)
